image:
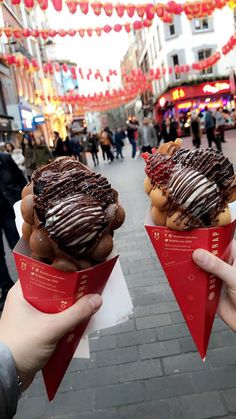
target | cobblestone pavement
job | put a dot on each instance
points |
(147, 368)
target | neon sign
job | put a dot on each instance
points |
(178, 94)
(217, 87)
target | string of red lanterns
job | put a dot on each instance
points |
(196, 9)
(136, 78)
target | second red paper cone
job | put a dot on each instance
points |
(197, 293)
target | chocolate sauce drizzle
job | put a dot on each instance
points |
(72, 203)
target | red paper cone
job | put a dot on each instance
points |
(51, 291)
(197, 292)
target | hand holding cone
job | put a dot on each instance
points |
(190, 192)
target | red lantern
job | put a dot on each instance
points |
(34, 63)
(45, 68)
(150, 11)
(160, 10)
(108, 8)
(73, 72)
(52, 33)
(218, 55)
(57, 67)
(84, 7)
(26, 32)
(72, 6)
(97, 8)
(81, 32)
(17, 33)
(89, 32)
(107, 28)
(127, 27)
(170, 70)
(57, 5)
(224, 50)
(26, 64)
(29, 4)
(8, 32)
(167, 18)
(43, 4)
(130, 9)
(98, 31)
(120, 8)
(137, 25)
(147, 23)
(140, 10)
(62, 32)
(65, 67)
(16, 2)
(35, 33)
(117, 27)
(44, 34)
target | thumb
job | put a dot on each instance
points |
(81, 311)
(212, 264)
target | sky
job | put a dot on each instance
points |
(103, 53)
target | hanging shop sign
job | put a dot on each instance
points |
(201, 90)
(38, 120)
(26, 118)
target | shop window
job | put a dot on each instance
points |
(172, 29)
(201, 24)
(159, 38)
(202, 55)
(175, 60)
(2, 102)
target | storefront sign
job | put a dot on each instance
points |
(26, 118)
(38, 119)
(208, 89)
(216, 88)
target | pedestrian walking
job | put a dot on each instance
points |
(106, 144)
(147, 138)
(62, 148)
(220, 124)
(132, 131)
(28, 152)
(210, 129)
(169, 130)
(92, 147)
(11, 185)
(195, 127)
(119, 142)
(17, 155)
(42, 155)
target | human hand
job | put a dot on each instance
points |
(32, 336)
(227, 272)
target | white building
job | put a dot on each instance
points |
(184, 42)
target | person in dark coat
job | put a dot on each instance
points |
(92, 147)
(132, 131)
(42, 155)
(11, 184)
(62, 148)
(195, 129)
(119, 142)
(169, 130)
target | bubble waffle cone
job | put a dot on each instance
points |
(70, 214)
(189, 193)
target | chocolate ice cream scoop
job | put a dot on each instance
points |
(211, 163)
(196, 196)
(76, 207)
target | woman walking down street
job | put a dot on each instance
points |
(16, 154)
(132, 131)
(195, 130)
(28, 152)
(92, 147)
(169, 130)
(42, 155)
(106, 145)
(62, 148)
(119, 142)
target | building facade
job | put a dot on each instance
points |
(184, 42)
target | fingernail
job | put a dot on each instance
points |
(95, 301)
(200, 256)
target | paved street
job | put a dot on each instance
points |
(147, 368)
